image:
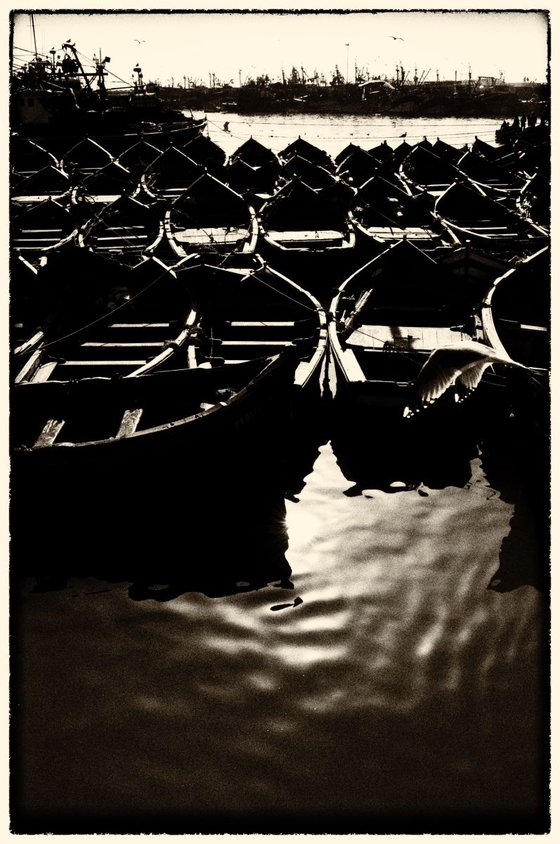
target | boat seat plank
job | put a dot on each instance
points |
(119, 325)
(267, 323)
(389, 337)
(126, 345)
(102, 363)
(43, 373)
(129, 422)
(49, 433)
(313, 235)
(281, 343)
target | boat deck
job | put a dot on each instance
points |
(414, 338)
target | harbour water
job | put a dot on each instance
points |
(372, 657)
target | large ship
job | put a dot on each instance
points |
(54, 100)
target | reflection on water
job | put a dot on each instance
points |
(368, 681)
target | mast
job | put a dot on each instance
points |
(34, 35)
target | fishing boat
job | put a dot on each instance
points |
(27, 157)
(102, 320)
(50, 182)
(426, 171)
(516, 314)
(210, 216)
(59, 102)
(383, 213)
(533, 201)
(308, 234)
(473, 215)
(124, 229)
(252, 311)
(491, 176)
(384, 322)
(169, 175)
(40, 228)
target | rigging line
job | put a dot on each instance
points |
(280, 293)
(373, 125)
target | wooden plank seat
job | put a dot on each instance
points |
(205, 235)
(129, 422)
(306, 236)
(387, 337)
(49, 433)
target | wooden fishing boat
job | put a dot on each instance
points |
(383, 213)
(207, 153)
(28, 157)
(86, 157)
(49, 182)
(384, 322)
(210, 216)
(40, 228)
(107, 184)
(124, 229)
(169, 175)
(253, 311)
(533, 201)
(135, 423)
(306, 150)
(309, 172)
(423, 170)
(138, 157)
(516, 314)
(357, 167)
(255, 154)
(475, 216)
(308, 234)
(103, 320)
(490, 175)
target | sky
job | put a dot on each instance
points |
(174, 47)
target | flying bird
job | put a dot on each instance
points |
(460, 364)
(395, 37)
(140, 42)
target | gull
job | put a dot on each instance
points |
(395, 37)
(140, 42)
(459, 363)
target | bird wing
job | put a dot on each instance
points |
(436, 376)
(472, 376)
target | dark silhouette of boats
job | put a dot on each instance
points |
(58, 104)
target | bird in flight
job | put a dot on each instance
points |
(139, 42)
(460, 364)
(395, 37)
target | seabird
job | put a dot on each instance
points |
(459, 363)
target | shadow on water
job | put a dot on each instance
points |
(219, 529)
(388, 454)
(516, 462)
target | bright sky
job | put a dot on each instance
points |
(231, 45)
